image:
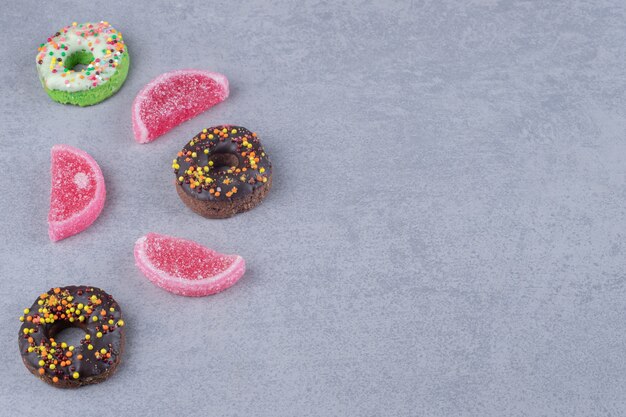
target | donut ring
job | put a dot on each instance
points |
(97, 46)
(222, 171)
(88, 308)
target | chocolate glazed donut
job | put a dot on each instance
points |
(222, 171)
(66, 366)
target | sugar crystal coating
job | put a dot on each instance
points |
(185, 267)
(175, 97)
(77, 192)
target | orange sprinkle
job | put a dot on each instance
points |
(41, 371)
(55, 379)
(69, 354)
(217, 194)
(57, 290)
(80, 357)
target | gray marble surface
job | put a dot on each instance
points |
(445, 236)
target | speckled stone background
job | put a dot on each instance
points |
(445, 236)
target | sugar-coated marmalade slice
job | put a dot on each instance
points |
(77, 192)
(185, 267)
(175, 97)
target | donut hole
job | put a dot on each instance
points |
(64, 332)
(78, 61)
(224, 161)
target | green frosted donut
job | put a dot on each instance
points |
(101, 52)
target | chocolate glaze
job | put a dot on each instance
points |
(233, 174)
(94, 365)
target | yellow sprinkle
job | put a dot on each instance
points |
(21, 318)
(87, 336)
(75, 375)
(206, 169)
(103, 351)
(120, 323)
(64, 345)
(204, 130)
(41, 363)
(90, 347)
(194, 155)
(210, 163)
(181, 178)
(262, 170)
(99, 334)
(71, 348)
(233, 131)
(31, 349)
(52, 366)
(211, 136)
(94, 318)
(26, 311)
(206, 151)
(25, 331)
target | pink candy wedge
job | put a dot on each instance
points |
(185, 267)
(175, 97)
(78, 192)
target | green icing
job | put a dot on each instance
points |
(93, 95)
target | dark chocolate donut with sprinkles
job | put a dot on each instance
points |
(222, 171)
(67, 366)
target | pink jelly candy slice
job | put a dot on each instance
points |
(78, 192)
(184, 267)
(173, 98)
